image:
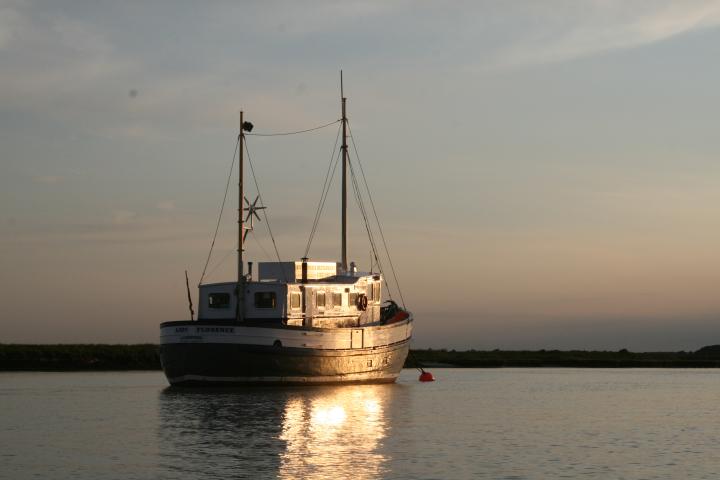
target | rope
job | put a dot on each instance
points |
(418, 365)
(322, 206)
(262, 204)
(292, 133)
(222, 207)
(361, 205)
(234, 250)
(323, 195)
(222, 260)
(227, 187)
(254, 237)
(372, 203)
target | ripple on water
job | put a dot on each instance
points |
(506, 423)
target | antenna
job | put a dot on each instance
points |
(190, 305)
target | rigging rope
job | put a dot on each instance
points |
(323, 195)
(329, 175)
(222, 207)
(222, 260)
(262, 204)
(292, 133)
(377, 219)
(254, 237)
(368, 229)
(227, 187)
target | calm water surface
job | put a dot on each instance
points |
(506, 423)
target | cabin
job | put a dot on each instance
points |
(302, 293)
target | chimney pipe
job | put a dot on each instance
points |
(304, 278)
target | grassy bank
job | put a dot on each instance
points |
(705, 357)
(145, 357)
(78, 357)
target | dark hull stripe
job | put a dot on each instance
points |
(227, 364)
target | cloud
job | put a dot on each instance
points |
(76, 67)
(586, 29)
(48, 179)
(12, 21)
(165, 205)
(59, 66)
(123, 217)
(80, 37)
(119, 226)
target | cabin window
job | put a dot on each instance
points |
(352, 299)
(219, 300)
(265, 300)
(320, 299)
(294, 300)
(337, 299)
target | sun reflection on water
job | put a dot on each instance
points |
(336, 434)
(294, 432)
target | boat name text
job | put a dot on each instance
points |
(206, 329)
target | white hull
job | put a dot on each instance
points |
(295, 337)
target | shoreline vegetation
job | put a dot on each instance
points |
(91, 357)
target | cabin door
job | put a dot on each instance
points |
(357, 338)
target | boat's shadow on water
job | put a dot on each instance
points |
(286, 432)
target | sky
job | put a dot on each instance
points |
(546, 173)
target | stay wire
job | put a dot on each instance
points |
(221, 261)
(262, 204)
(377, 219)
(254, 237)
(222, 208)
(363, 211)
(323, 195)
(233, 250)
(322, 205)
(292, 133)
(227, 187)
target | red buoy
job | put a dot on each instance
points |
(426, 377)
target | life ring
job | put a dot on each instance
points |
(362, 302)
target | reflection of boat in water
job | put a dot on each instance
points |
(276, 433)
(299, 322)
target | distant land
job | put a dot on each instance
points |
(15, 357)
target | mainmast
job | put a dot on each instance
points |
(344, 178)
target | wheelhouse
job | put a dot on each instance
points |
(319, 297)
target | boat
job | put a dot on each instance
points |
(299, 322)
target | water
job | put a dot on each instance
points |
(505, 423)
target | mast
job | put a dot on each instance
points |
(344, 178)
(240, 306)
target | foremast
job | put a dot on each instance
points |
(240, 287)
